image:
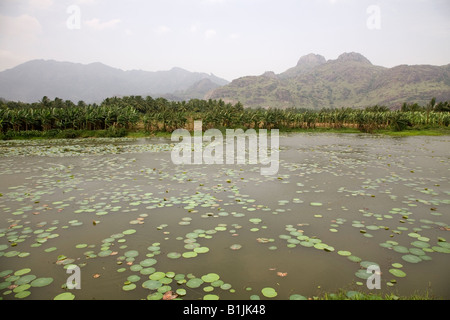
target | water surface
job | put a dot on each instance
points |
(121, 211)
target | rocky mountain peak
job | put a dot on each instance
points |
(353, 56)
(311, 60)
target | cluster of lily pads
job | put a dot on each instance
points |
(22, 283)
(158, 227)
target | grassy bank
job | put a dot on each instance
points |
(417, 132)
(63, 134)
(355, 295)
(119, 133)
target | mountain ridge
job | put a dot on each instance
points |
(351, 80)
(94, 82)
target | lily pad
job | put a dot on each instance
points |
(22, 294)
(297, 297)
(411, 258)
(155, 296)
(25, 279)
(129, 287)
(400, 249)
(65, 296)
(148, 262)
(181, 292)
(152, 284)
(157, 275)
(194, 283)
(201, 250)
(22, 272)
(363, 274)
(398, 273)
(316, 204)
(131, 254)
(210, 277)
(397, 265)
(41, 282)
(173, 255)
(129, 231)
(269, 292)
(420, 244)
(189, 254)
(354, 259)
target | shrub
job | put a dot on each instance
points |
(69, 134)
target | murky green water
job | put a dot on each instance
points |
(138, 226)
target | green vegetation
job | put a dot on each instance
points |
(355, 295)
(136, 116)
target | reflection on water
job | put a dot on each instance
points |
(120, 210)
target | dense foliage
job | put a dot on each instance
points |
(156, 115)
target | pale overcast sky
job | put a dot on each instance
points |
(230, 38)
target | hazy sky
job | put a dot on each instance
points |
(230, 38)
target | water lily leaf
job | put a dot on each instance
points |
(129, 287)
(181, 292)
(22, 272)
(148, 262)
(201, 249)
(189, 254)
(174, 255)
(131, 254)
(210, 277)
(134, 278)
(5, 273)
(417, 251)
(363, 274)
(420, 244)
(41, 282)
(269, 292)
(400, 249)
(398, 273)
(129, 231)
(155, 296)
(25, 279)
(316, 204)
(297, 297)
(157, 275)
(397, 265)
(354, 259)
(194, 283)
(411, 258)
(65, 296)
(225, 286)
(152, 284)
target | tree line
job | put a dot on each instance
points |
(161, 115)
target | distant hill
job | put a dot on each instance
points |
(349, 81)
(30, 81)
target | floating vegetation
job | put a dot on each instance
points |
(151, 230)
(269, 292)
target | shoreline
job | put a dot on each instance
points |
(134, 134)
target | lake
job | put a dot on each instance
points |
(138, 226)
